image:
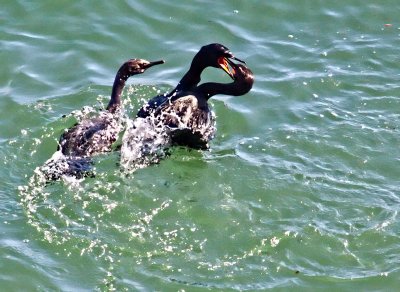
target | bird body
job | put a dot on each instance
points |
(91, 136)
(96, 135)
(189, 117)
(189, 123)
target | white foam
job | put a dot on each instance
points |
(143, 143)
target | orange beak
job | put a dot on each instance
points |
(223, 63)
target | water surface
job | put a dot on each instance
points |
(300, 188)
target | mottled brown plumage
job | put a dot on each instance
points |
(96, 135)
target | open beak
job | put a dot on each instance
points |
(224, 64)
(151, 64)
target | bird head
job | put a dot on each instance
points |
(217, 56)
(138, 66)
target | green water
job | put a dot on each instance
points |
(300, 188)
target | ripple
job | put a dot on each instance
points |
(299, 189)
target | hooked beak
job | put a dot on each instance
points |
(151, 64)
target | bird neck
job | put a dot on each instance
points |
(118, 86)
(192, 77)
(241, 85)
(210, 89)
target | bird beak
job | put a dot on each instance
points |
(237, 59)
(224, 64)
(151, 64)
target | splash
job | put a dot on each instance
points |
(59, 166)
(144, 142)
